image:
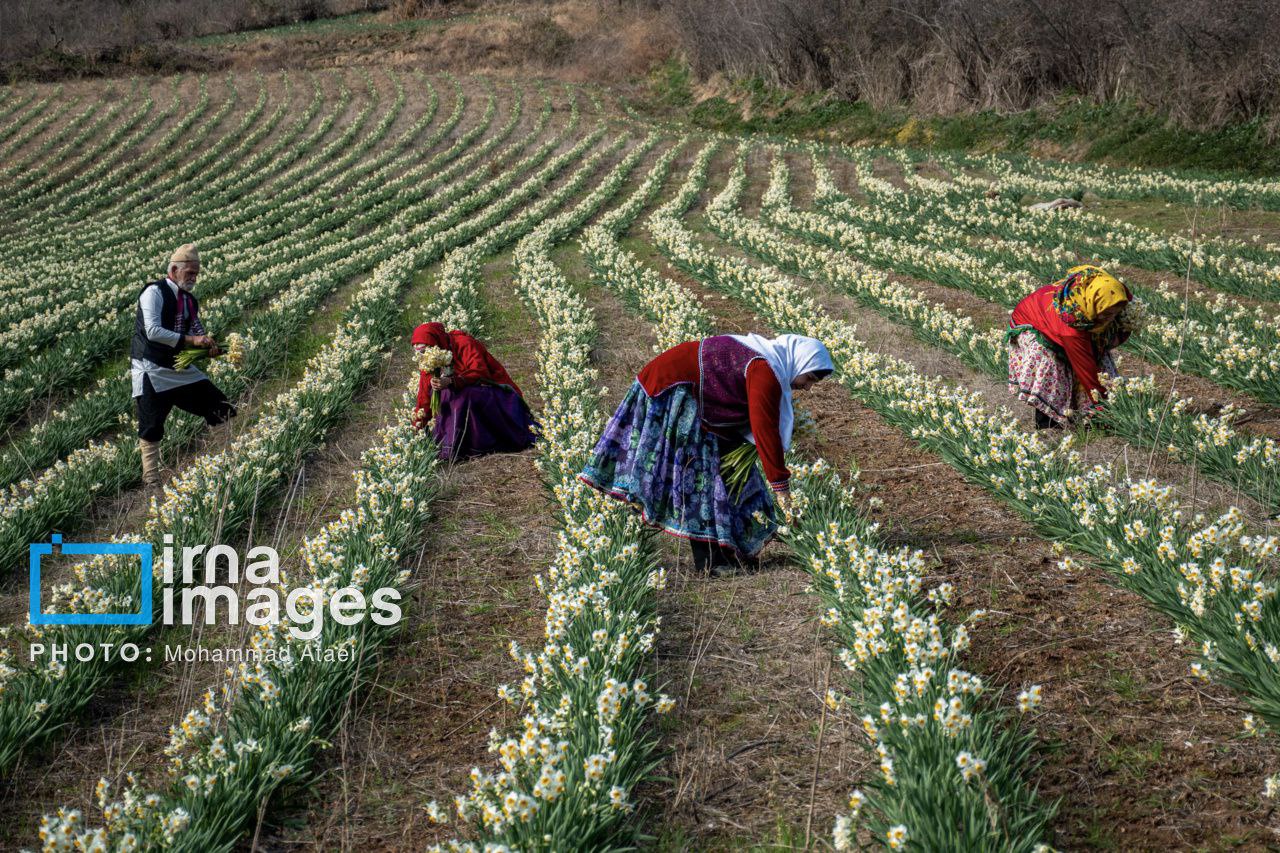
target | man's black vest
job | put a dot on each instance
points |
(144, 347)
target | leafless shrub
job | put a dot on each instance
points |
(404, 10)
(1201, 61)
(88, 29)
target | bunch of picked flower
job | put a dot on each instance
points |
(436, 362)
(736, 467)
(235, 348)
(234, 351)
(806, 425)
(1133, 317)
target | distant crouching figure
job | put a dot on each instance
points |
(481, 409)
(1060, 342)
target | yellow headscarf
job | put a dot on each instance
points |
(1085, 293)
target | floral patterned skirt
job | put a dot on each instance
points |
(656, 456)
(1045, 380)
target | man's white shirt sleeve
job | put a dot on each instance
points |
(152, 303)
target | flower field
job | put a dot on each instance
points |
(969, 635)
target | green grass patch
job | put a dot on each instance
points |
(1122, 133)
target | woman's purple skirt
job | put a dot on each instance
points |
(482, 419)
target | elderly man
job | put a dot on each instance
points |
(168, 322)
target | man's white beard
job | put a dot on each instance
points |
(185, 286)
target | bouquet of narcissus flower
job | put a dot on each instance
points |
(233, 351)
(436, 362)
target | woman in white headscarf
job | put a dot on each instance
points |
(661, 451)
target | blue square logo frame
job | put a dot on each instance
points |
(38, 550)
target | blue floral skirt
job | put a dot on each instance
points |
(656, 456)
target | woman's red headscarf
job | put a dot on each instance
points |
(432, 334)
(472, 362)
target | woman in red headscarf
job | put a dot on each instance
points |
(481, 408)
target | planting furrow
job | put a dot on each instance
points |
(676, 315)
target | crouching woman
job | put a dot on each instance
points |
(1061, 339)
(480, 408)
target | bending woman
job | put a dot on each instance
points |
(661, 450)
(481, 408)
(1060, 340)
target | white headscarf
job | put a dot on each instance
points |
(789, 356)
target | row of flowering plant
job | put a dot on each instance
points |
(953, 769)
